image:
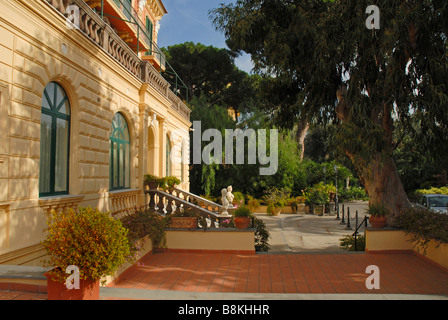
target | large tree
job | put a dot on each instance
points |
(321, 63)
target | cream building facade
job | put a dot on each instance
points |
(84, 114)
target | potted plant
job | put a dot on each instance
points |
(170, 183)
(242, 217)
(300, 202)
(378, 216)
(274, 208)
(151, 181)
(276, 199)
(91, 241)
(142, 223)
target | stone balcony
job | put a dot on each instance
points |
(100, 32)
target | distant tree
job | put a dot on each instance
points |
(211, 72)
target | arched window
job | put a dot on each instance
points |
(54, 141)
(168, 156)
(120, 154)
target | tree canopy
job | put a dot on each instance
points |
(320, 63)
(211, 72)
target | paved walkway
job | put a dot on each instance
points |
(280, 274)
(311, 233)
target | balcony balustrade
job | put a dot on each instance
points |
(100, 32)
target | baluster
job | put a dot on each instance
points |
(161, 205)
(169, 207)
(152, 202)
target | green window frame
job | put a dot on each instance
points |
(182, 164)
(168, 156)
(149, 31)
(120, 154)
(127, 9)
(54, 142)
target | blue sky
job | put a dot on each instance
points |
(188, 20)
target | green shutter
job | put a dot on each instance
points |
(149, 31)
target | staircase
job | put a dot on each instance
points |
(166, 203)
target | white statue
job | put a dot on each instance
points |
(225, 202)
(230, 196)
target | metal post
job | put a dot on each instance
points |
(348, 219)
(356, 232)
(336, 200)
(343, 213)
(337, 211)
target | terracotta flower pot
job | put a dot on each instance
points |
(378, 222)
(88, 290)
(242, 223)
(152, 185)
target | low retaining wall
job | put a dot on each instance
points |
(397, 241)
(219, 241)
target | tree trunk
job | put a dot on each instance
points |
(384, 185)
(380, 174)
(302, 130)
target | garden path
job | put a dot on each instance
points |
(302, 233)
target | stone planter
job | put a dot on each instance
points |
(319, 210)
(184, 223)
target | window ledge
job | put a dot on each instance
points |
(60, 203)
(123, 192)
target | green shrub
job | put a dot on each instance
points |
(262, 236)
(142, 223)
(423, 226)
(252, 203)
(238, 199)
(348, 243)
(89, 239)
(433, 190)
(242, 211)
(278, 197)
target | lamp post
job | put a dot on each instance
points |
(336, 200)
(325, 174)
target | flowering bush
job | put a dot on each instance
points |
(317, 195)
(423, 226)
(91, 240)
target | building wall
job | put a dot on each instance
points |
(36, 48)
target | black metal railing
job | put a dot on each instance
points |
(356, 233)
(346, 220)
